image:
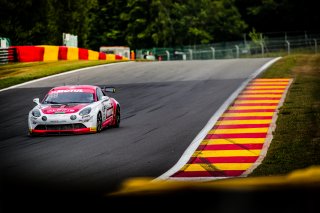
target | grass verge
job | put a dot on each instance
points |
(296, 140)
(12, 74)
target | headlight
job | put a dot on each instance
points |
(85, 111)
(73, 117)
(36, 113)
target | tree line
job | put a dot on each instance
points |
(150, 23)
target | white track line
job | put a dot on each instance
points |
(202, 134)
(60, 74)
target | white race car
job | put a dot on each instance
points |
(74, 109)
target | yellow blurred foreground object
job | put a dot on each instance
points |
(303, 177)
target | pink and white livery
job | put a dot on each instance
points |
(74, 109)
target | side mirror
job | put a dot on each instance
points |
(37, 101)
(109, 89)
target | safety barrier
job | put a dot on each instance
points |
(110, 57)
(52, 53)
(102, 56)
(73, 53)
(29, 53)
(93, 55)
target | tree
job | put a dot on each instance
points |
(71, 16)
(108, 28)
(171, 23)
(43, 22)
(19, 22)
(280, 15)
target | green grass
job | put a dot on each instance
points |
(16, 73)
(296, 140)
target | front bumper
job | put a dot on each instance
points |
(61, 123)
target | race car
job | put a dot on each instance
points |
(74, 109)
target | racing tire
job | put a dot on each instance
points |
(99, 122)
(117, 118)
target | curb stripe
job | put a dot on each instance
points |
(255, 101)
(245, 118)
(277, 89)
(233, 145)
(249, 110)
(240, 135)
(239, 126)
(230, 146)
(215, 167)
(232, 141)
(255, 104)
(269, 84)
(253, 95)
(237, 142)
(236, 122)
(257, 98)
(236, 131)
(254, 114)
(271, 79)
(226, 153)
(262, 92)
(251, 107)
(266, 87)
(242, 159)
(227, 173)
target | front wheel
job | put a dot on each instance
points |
(117, 119)
(30, 134)
(99, 122)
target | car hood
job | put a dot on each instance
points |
(62, 108)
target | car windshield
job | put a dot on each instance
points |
(68, 97)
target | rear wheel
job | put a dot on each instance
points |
(99, 122)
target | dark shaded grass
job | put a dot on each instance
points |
(296, 140)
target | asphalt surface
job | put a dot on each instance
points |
(163, 104)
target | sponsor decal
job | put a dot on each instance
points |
(67, 90)
(60, 111)
(58, 121)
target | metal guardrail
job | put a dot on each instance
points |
(237, 49)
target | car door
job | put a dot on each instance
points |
(105, 104)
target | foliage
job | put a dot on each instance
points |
(148, 23)
(255, 36)
(280, 15)
(35, 22)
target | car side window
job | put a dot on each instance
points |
(99, 94)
